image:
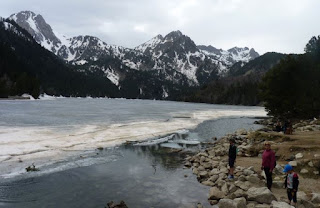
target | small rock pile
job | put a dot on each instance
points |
(308, 125)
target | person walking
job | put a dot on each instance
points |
(291, 183)
(268, 163)
(232, 157)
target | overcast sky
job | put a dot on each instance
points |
(266, 25)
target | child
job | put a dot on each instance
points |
(291, 183)
(232, 157)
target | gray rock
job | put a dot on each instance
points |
(203, 174)
(225, 189)
(239, 193)
(261, 195)
(240, 202)
(304, 171)
(305, 203)
(253, 179)
(214, 178)
(299, 155)
(315, 198)
(207, 183)
(242, 178)
(216, 194)
(276, 204)
(310, 164)
(232, 188)
(248, 172)
(227, 203)
(262, 206)
(278, 184)
(293, 163)
(251, 205)
(243, 185)
(207, 165)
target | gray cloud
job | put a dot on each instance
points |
(273, 25)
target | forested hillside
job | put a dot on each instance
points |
(26, 67)
(240, 86)
(292, 88)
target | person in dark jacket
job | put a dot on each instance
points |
(291, 183)
(268, 163)
(232, 157)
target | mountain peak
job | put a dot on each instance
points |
(174, 35)
(37, 27)
(150, 44)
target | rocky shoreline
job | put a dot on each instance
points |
(248, 188)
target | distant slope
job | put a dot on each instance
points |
(26, 67)
(260, 64)
(241, 86)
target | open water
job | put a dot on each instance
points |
(64, 137)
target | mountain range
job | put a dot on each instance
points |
(161, 68)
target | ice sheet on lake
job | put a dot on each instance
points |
(22, 146)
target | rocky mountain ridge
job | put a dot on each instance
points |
(173, 57)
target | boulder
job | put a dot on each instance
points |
(262, 206)
(315, 198)
(305, 204)
(293, 163)
(207, 165)
(239, 193)
(225, 189)
(248, 172)
(304, 171)
(243, 185)
(278, 169)
(242, 178)
(261, 195)
(304, 196)
(278, 184)
(204, 174)
(251, 205)
(214, 178)
(276, 204)
(299, 155)
(241, 202)
(310, 164)
(215, 194)
(207, 183)
(227, 203)
(254, 179)
(213, 202)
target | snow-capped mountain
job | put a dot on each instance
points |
(174, 58)
(231, 56)
(38, 28)
(176, 54)
(9, 26)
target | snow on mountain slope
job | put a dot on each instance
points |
(231, 56)
(174, 57)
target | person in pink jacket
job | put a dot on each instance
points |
(268, 163)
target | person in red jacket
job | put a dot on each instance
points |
(268, 163)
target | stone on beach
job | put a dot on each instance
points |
(261, 195)
(276, 204)
(216, 194)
